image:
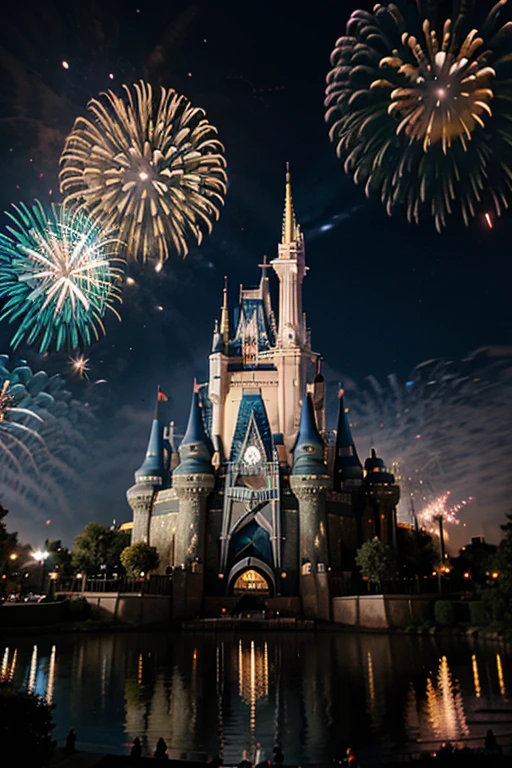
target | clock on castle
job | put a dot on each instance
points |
(260, 498)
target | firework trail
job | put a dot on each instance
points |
(43, 441)
(149, 165)
(60, 275)
(419, 106)
(448, 425)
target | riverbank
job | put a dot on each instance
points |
(459, 758)
(229, 625)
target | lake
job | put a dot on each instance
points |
(313, 694)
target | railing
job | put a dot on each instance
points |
(346, 586)
(155, 585)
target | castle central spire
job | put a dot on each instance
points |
(290, 230)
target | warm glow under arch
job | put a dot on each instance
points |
(251, 581)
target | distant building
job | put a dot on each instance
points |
(474, 560)
(259, 498)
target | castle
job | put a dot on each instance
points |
(260, 499)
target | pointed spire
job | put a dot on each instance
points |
(308, 431)
(308, 453)
(348, 472)
(290, 230)
(224, 317)
(196, 448)
(195, 432)
(152, 468)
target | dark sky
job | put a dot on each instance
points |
(381, 296)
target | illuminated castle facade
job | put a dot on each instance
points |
(260, 498)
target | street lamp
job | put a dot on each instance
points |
(41, 556)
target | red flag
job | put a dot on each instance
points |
(196, 386)
(161, 397)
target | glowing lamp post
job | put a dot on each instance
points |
(41, 556)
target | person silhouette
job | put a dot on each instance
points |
(491, 745)
(136, 748)
(161, 749)
(70, 748)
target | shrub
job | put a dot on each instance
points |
(478, 615)
(25, 726)
(443, 613)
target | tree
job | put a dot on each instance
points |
(8, 541)
(139, 558)
(377, 561)
(417, 552)
(98, 548)
(497, 597)
(25, 726)
(59, 557)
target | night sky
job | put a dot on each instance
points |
(381, 296)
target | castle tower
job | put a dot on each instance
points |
(383, 496)
(293, 354)
(193, 481)
(149, 479)
(309, 481)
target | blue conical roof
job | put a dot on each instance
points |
(196, 449)
(347, 467)
(195, 432)
(153, 464)
(308, 454)
(308, 431)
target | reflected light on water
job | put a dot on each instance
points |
(140, 669)
(5, 665)
(476, 677)
(220, 696)
(51, 676)
(444, 706)
(33, 671)
(252, 677)
(501, 679)
(13, 665)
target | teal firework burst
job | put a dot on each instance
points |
(60, 274)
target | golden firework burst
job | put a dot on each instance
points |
(151, 166)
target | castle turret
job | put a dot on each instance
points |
(348, 472)
(149, 479)
(309, 481)
(383, 495)
(193, 481)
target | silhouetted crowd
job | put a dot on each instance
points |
(458, 754)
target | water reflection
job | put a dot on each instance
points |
(501, 679)
(311, 694)
(476, 677)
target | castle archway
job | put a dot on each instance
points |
(251, 576)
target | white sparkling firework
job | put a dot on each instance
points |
(428, 517)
